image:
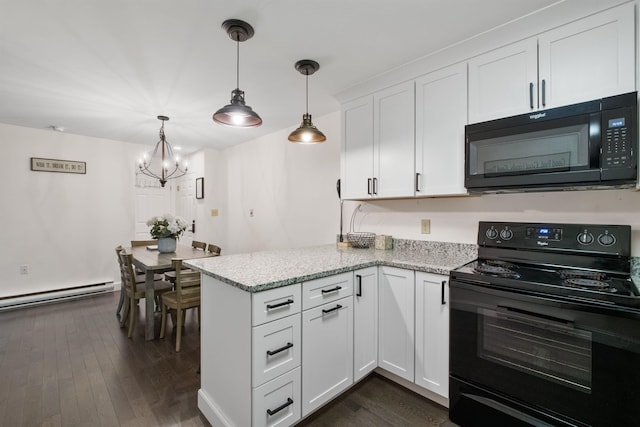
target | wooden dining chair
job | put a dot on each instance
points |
(186, 296)
(214, 249)
(134, 292)
(171, 275)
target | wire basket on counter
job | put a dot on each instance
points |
(361, 239)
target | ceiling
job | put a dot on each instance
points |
(107, 68)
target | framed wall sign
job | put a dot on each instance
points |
(55, 165)
(199, 188)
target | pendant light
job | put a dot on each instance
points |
(307, 133)
(237, 113)
(162, 164)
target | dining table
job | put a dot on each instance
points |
(149, 260)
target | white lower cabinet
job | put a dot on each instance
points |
(327, 352)
(432, 332)
(277, 403)
(365, 322)
(396, 321)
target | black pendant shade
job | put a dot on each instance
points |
(237, 113)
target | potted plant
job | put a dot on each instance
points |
(167, 228)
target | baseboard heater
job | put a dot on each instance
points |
(37, 298)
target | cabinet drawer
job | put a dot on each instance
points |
(276, 348)
(275, 304)
(327, 289)
(277, 403)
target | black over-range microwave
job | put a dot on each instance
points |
(588, 145)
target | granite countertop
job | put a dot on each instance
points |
(259, 271)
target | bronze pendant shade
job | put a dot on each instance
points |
(307, 133)
(237, 113)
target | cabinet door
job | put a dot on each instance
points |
(357, 148)
(394, 141)
(327, 352)
(365, 322)
(503, 82)
(432, 332)
(441, 114)
(588, 59)
(396, 321)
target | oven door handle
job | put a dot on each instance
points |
(535, 317)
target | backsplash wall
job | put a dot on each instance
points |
(456, 219)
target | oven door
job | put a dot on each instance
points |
(535, 360)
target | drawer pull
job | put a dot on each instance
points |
(328, 291)
(280, 304)
(283, 348)
(337, 307)
(281, 407)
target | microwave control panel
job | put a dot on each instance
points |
(617, 139)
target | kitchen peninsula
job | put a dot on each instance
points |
(283, 332)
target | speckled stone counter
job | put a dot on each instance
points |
(259, 271)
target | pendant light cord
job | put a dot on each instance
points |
(307, 90)
(237, 61)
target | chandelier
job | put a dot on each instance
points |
(162, 164)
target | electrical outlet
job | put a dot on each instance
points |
(425, 226)
(214, 212)
(24, 269)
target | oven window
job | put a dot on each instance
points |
(541, 151)
(552, 350)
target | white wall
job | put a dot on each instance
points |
(291, 189)
(63, 226)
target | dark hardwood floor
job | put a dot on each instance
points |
(70, 364)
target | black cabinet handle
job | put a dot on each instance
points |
(417, 182)
(444, 282)
(359, 280)
(280, 304)
(281, 407)
(328, 291)
(531, 95)
(375, 185)
(337, 307)
(544, 91)
(276, 351)
(369, 186)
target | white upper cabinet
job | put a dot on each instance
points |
(441, 114)
(378, 137)
(357, 148)
(503, 82)
(586, 59)
(394, 141)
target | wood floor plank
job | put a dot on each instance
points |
(70, 364)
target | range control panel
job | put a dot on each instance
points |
(592, 238)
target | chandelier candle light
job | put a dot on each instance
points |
(169, 164)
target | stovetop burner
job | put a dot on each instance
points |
(591, 284)
(582, 274)
(497, 268)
